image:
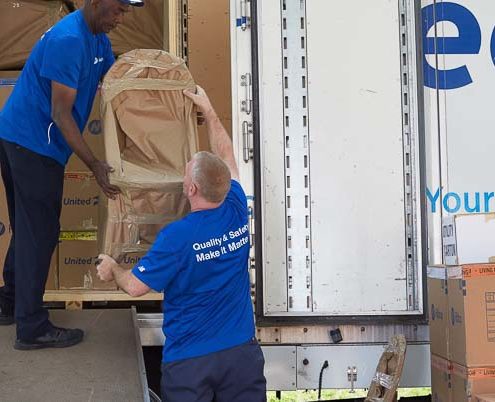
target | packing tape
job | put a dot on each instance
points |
(477, 270)
(144, 219)
(125, 248)
(77, 236)
(437, 272)
(113, 87)
(384, 380)
(441, 364)
(155, 63)
(134, 182)
(471, 373)
(79, 176)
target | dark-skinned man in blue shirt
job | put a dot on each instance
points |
(40, 127)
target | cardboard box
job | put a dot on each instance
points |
(438, 311)
(471, 294)
(23, 24)
(80, 202)
(131, 259)
(5, 229)
(485, 398)
(77, 266)
(93, 135)
(52, 281)
(467, 382)
(468, 239)
(441, 386)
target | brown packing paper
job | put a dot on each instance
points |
(23, 23)
(150, 134)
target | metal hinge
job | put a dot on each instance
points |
(247, 103)
(247, 147)
(352, 376)
(244, 20)
(251, 226)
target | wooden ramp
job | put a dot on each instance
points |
(107, 366)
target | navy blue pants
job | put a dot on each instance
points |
(231, 375)
(33, 184)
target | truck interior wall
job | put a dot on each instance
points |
(208, 56)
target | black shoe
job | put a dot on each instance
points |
(54, 338)
(6, 316)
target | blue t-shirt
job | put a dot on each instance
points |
(69, 54)
(201, 263)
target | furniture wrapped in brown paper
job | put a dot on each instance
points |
(23, 23)
(150, 134)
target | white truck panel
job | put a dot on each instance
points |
(272, 157)
(357, 180)
(466, 74)
(362, 359)
(332, 160)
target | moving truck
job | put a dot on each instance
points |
(357, 127)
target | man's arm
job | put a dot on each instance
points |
(220, 142)
(109, 270)
(63, 98)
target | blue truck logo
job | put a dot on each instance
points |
(467, 202)
(468, 42)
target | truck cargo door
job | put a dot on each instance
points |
(328, 135)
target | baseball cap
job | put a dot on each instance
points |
(136, 3)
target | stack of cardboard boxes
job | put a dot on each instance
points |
(23, 23)
(78, 249)
(461, 297)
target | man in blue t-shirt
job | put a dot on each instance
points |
(201, 264)
(40, 126)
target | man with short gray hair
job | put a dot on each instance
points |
(201, 264)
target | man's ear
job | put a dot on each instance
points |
(193, 189)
